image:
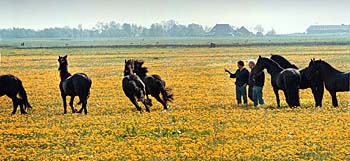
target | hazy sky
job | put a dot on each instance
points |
(284, 16)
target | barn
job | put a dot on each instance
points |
(328, 29)
(221, 30)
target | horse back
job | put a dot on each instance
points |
(289, 74)
(339, 82)
(77, 83)
(9, 84)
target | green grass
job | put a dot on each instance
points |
(57, 42)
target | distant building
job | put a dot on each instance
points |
(328, 29)
(243, 32)
(221, 30)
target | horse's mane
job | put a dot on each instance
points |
(326, 64)
(272, 61)
(283, 62)
(140, 68)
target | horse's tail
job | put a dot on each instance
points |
(291, 85)
(168, 96)
(23, 94)
(86, 92)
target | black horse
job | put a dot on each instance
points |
(78, 84)
(155, 85)
(334, 80)
(286, 80)
(283, 62)
(133, 87)
(316, 86)
(11, 86)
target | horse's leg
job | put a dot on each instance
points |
(71, 102)
(84, 107)
(82, 100)
(146, 105)
(149, 101)
(161, 101)
(334, 98)
(316, 96)
(133, 101)
(275, 90)
(21, 104)
(297, 98)
(64, 103)
(15, 105)
(288, 100)
(320, 90)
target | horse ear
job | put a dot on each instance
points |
(65, 56)
(59, 57)
(259, 56)
(125, 60)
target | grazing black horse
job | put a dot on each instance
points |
(133, 87)
(155, 85)
(316, 86)
(334, 80)
(78, 84)
(286, 80)
(11, 86)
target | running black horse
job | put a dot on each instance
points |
(78, 84)
(286, 80)
(316, 86)
(155, 85)
(11, 86)
(334, 80)
(133, 87)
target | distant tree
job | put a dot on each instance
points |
(127, 29)
(195, 30)
(272, 32)
(156, 30)
(177, 31)
(259, 28)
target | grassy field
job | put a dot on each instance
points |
(142, 41)
(204, 122)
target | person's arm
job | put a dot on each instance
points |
(232, 75)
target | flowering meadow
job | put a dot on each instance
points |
(203, 123)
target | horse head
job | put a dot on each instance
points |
(313, 70)
(139, 69)
(129, 67)
(260, 65)
(63, 62)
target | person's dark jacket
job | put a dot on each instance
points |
(258, 79)
(242, 77)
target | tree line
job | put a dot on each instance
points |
(111, 29)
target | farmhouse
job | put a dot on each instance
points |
(328, 29)
(243, 32)
(221, 30)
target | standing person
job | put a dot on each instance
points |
(242, 77)
(257, 81)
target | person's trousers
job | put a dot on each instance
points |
(257, 95)
(241, 91)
